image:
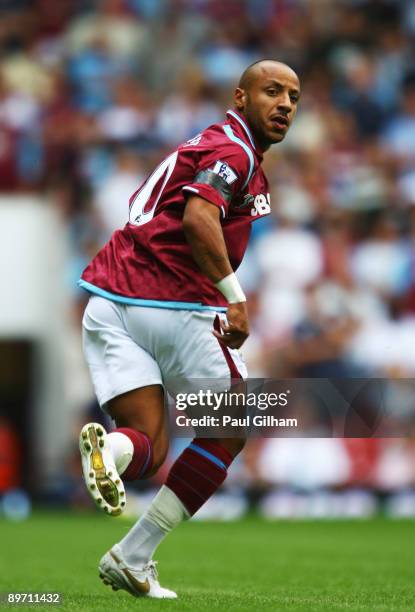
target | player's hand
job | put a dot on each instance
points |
(236, 331)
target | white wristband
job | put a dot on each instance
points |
(231, 289)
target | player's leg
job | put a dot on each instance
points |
(196, 474)
(141, 438)
(133, 451)
(194, 477)
(138, 447)
(200, 470)
(127, 382)
(202, 467)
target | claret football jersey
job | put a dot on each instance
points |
(149, 262)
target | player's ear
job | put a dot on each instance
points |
(239, 98)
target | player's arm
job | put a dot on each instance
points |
(201, 224)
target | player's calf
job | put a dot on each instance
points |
(128, 442)
(199, 472)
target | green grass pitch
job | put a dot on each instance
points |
(246, 565)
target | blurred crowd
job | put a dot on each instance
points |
(93, 93)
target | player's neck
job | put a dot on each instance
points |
(260, 144)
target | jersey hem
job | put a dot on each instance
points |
(147, 303)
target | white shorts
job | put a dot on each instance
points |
(128, 347)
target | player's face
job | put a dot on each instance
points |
(270, 103)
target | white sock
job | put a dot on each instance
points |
(122, 450)
(166, 511)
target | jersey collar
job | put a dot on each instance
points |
(245, 130)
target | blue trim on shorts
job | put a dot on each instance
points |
(208, 455)
(229, 133)
(149, 303)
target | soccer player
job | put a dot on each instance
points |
(159, 291)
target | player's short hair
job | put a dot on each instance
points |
(248, 75)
